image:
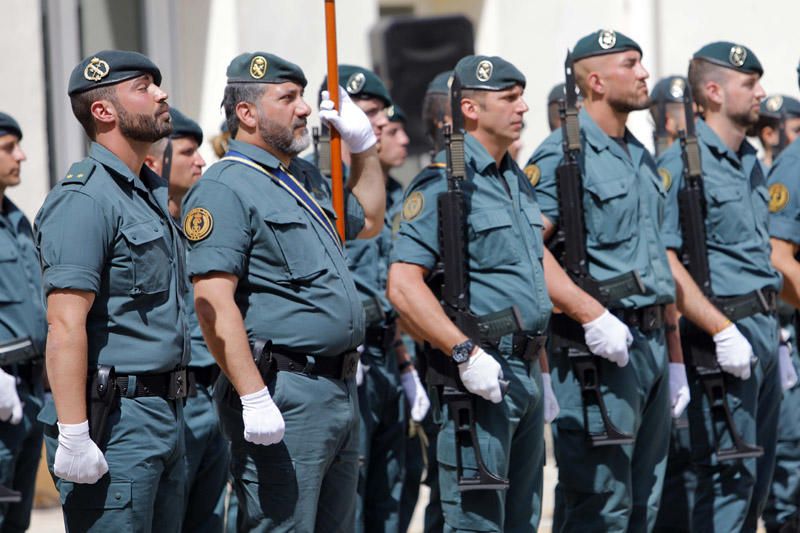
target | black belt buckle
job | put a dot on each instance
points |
(527, 346)
(349, 364)
(651, 317)
(177, 388)
(766, 299)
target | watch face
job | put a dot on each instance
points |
(461, 352)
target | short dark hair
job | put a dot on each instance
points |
(82, 106)
(239, 92)
(701, 72)
(435, 107)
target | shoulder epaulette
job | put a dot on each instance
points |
(437, 165)
(79, 172)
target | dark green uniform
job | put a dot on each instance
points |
(21, 315)
(105, 230)
(505, 254)
(614, 488)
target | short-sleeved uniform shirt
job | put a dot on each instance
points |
(504, 233)
(105, 230)
(737, 235)
(369, 258)
(21, 310)
(623, 199)
(784, 191)
(294, 285)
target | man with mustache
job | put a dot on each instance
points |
(612, 487)
(22, 337)
(113, 271)
(270, 278)
(740, 313)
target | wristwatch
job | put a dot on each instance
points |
(460, 352)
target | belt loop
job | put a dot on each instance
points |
(310, 364)
(131, 392)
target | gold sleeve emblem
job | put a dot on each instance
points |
(197, 224)
(778, 197)
(413, 205)
(533, 173)
(666, 178)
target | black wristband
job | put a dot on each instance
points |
(405, 364)
(670, 328)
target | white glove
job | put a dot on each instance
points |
(350, 121)
(785, 366)
(78, 459)
(263, 423)
(551, 408)
(733, 352)
(608, 337)
(416, 395)
(480, 374)
(10, 406)
(679, 395)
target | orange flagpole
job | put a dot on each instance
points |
(337, 178)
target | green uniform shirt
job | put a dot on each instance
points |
(504, 230)
(736, 214)
(784, 191)
(21, 311)
(105, 230)
(623, 201)
(294, 286)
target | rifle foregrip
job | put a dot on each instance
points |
(573, 138)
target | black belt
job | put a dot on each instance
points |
(382, 336)
(650, 318)
(752, 303)
(18, 350)
(204, 376)
(168, 385)
(342, 366)
(527, 345)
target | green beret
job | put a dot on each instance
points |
(110, 67)
(777, 105)
(603, 42)
(731, 55)
(360, 83)
(9, 126)
(556, 93)
(395, 114)
(441, 83)
(669, 89)
(183, 126)
(485, 73)
(261, 67)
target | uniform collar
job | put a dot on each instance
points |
(108, 159)
(9, 213)
(715, 144)
(479, 156)
(600, 140)
(259, 155)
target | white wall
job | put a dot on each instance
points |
(22, 95)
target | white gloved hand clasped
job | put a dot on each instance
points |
(350, 121)
(416, 395)
(78, 459)
(481, 375)
(263, 422)
(608, 337)
(551, 408)
(10, 406)
(679, 394)
(734, 353)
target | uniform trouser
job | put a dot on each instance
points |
(415, 466)
(308, 481)
(20, 450)
(381, 443)
(143, 490)
(614, 488)
(680, 482)
(783, 502)
(731, 494)
(207, 461)
(511, 439)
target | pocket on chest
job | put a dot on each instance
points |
(297, 243)
(730, 218)
(492, 241)
(611, 210)
(150, 257)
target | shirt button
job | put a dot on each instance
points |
(118, 496)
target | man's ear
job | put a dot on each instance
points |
(247, 115)
(103, 111)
